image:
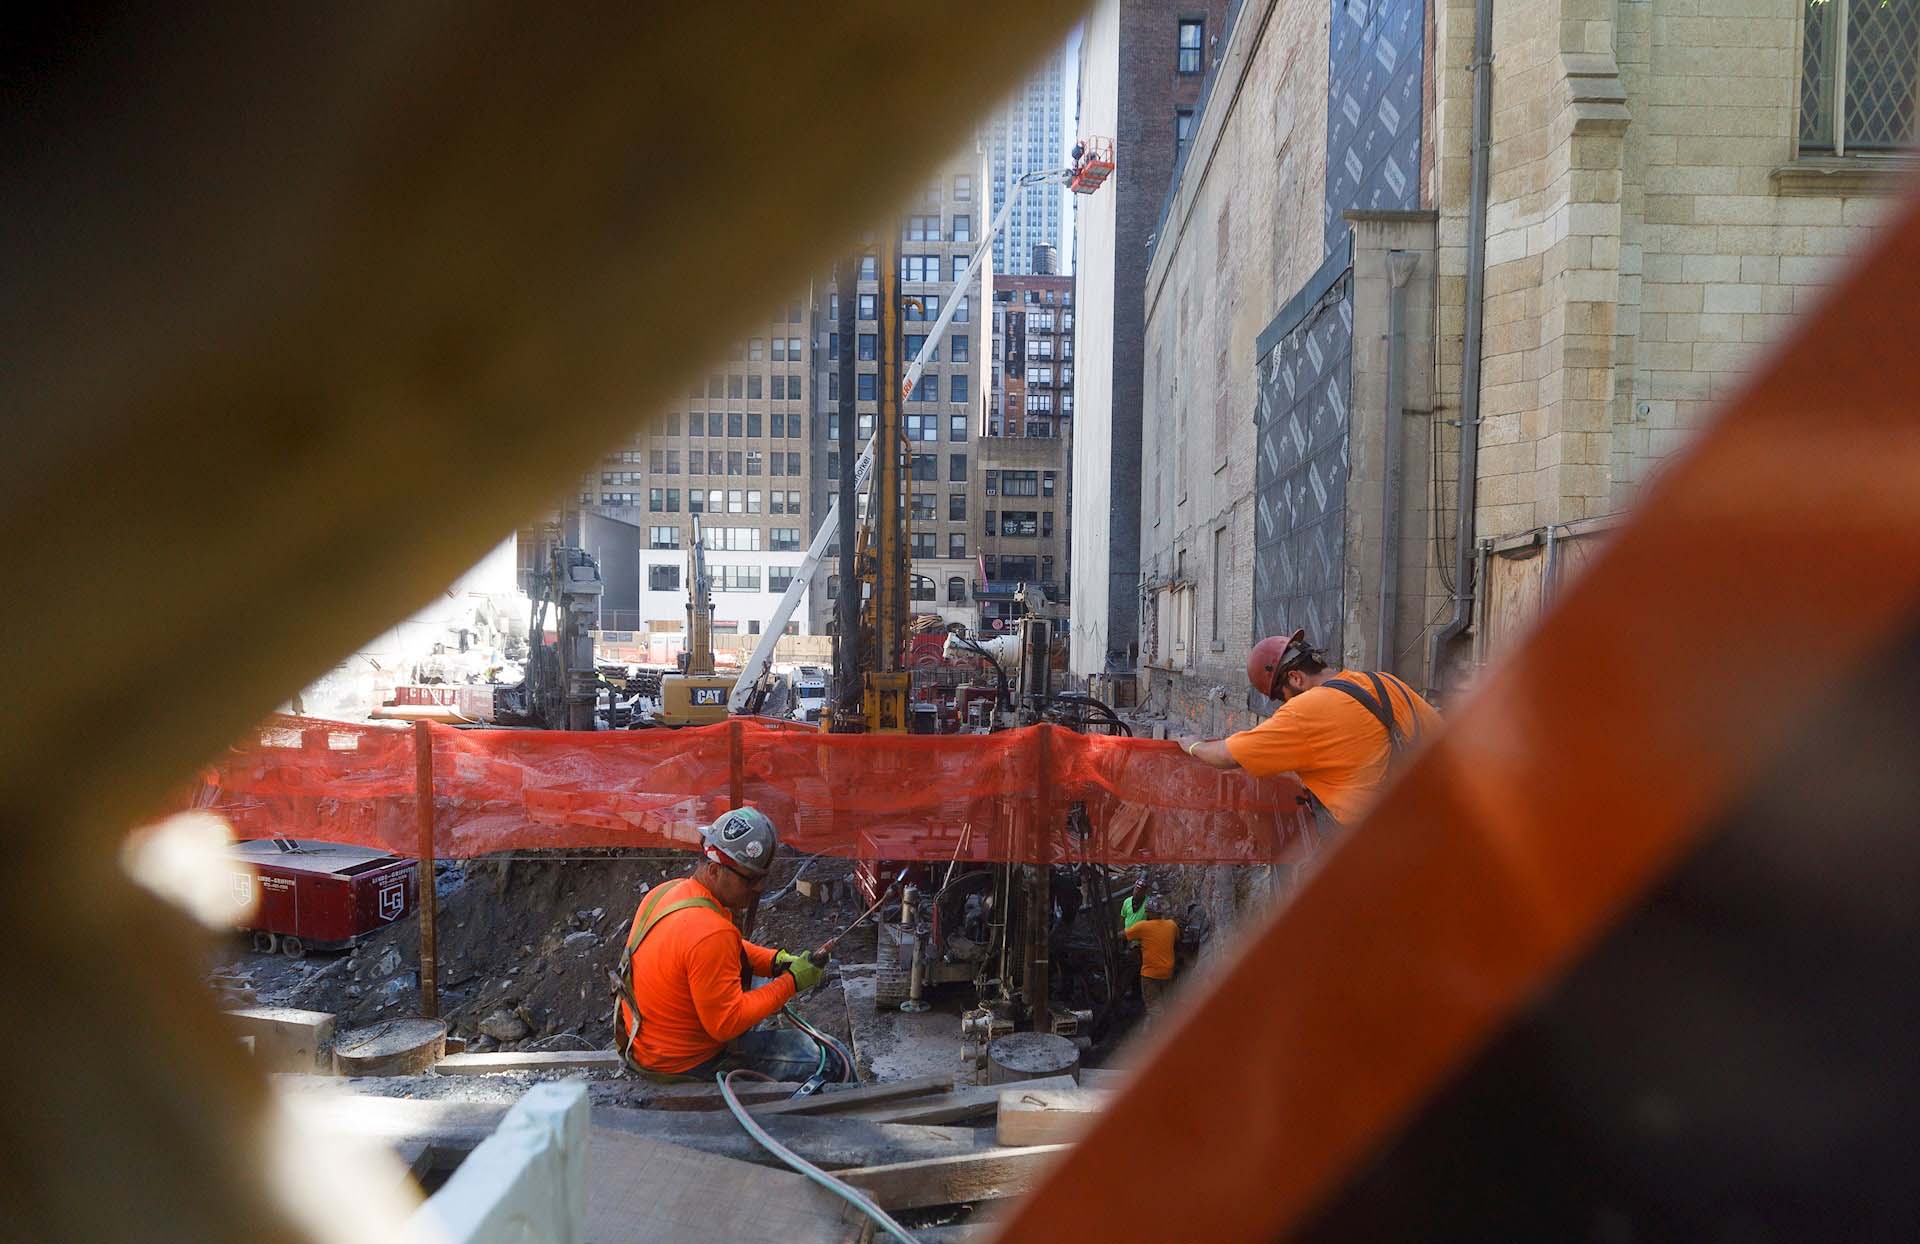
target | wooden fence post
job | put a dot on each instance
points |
(423, 817)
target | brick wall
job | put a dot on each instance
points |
(1243, 232)
(1647, 234)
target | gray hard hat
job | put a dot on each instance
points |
(1158, 907)
(743, 839)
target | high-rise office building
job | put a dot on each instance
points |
(1029, 134)
(941, 418)
(734, 452)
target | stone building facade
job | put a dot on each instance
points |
(1671, 184)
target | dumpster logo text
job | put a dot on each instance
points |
(393, 898)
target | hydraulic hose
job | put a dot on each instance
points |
(846, 1192)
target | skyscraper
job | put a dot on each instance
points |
(1026, 135)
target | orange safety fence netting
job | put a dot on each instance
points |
(1034, 794)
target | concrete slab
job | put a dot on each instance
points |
(894, 1045)
(287, 1039)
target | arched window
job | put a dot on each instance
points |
(956, 591)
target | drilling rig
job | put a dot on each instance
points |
(696, 695)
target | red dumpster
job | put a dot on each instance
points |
(320, 895)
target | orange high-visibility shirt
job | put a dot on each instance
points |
(686, 981)
(1156, 947)
(1337, 748)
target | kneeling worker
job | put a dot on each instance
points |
(682, 968)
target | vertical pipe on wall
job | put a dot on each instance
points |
(1481, 142)
(1400, 266)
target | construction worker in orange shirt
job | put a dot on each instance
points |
(1340, 731)
(682, 969)
(1156, 933)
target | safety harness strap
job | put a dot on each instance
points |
(643, 924)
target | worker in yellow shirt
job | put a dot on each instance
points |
(1156, 934)
(1339, 731)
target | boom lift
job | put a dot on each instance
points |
(696, 695)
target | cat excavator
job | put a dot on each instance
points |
(695, 695)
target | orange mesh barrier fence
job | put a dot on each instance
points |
(1035, 794)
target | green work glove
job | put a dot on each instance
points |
(806, 969)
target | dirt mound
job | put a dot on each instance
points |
(525, 945)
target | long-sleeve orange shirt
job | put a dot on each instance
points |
(686, 981)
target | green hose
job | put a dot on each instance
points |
(846, 1192)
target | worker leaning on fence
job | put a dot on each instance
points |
(682, 968)
(1339, 731)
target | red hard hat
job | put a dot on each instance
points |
(1269, 658)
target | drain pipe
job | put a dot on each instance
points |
(1481, 142)
(1400, 266)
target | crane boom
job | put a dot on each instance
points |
(761, 661)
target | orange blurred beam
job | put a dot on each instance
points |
(1775, 555)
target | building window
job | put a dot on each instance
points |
(1046, 484)
(784, 539)
(867, 388)
(922, 428)
(833, 465)
(736, 501)
(779, 388)
(924, 307)
(673, 462)
(663, 537)
(928, 390)
(1019, 522)
(1858, 75)
(619, 498)
(716, 462)
(957, 468)
(777, 465)
(757, 348)
(956, 427)
(869, 271)
(673, 500)
(1019, 483)
(753, 462)
(993, 483)
(833, 587)
(663, 578)
(923, 229)
(869, 303)
(754, 385)
(736, 579)
(736, 386)
(1182, 130)
(753, 423)
(957, 507)
(962, 188)
(963, 311)
(926, 466)
(923, 545)
(869, 346)
(922, 506)
(1192, 35)
(731, 539)
(956, 591)
(736, 424)
(962, 349)
(734, 462)
(959, 266)
(962, 229)
(921, 587)
(957, 388)
(1046, 522)
(716, 386)
(779, 578)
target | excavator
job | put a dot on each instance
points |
(695, 695)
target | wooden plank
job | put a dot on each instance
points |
(833, 1101)
(1105, 1077)
(981, 1101)
(651, 1192)
(556, 1060)
(1046, 1116)
(831, 1141)
(947, 1181)
(649, 1096)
